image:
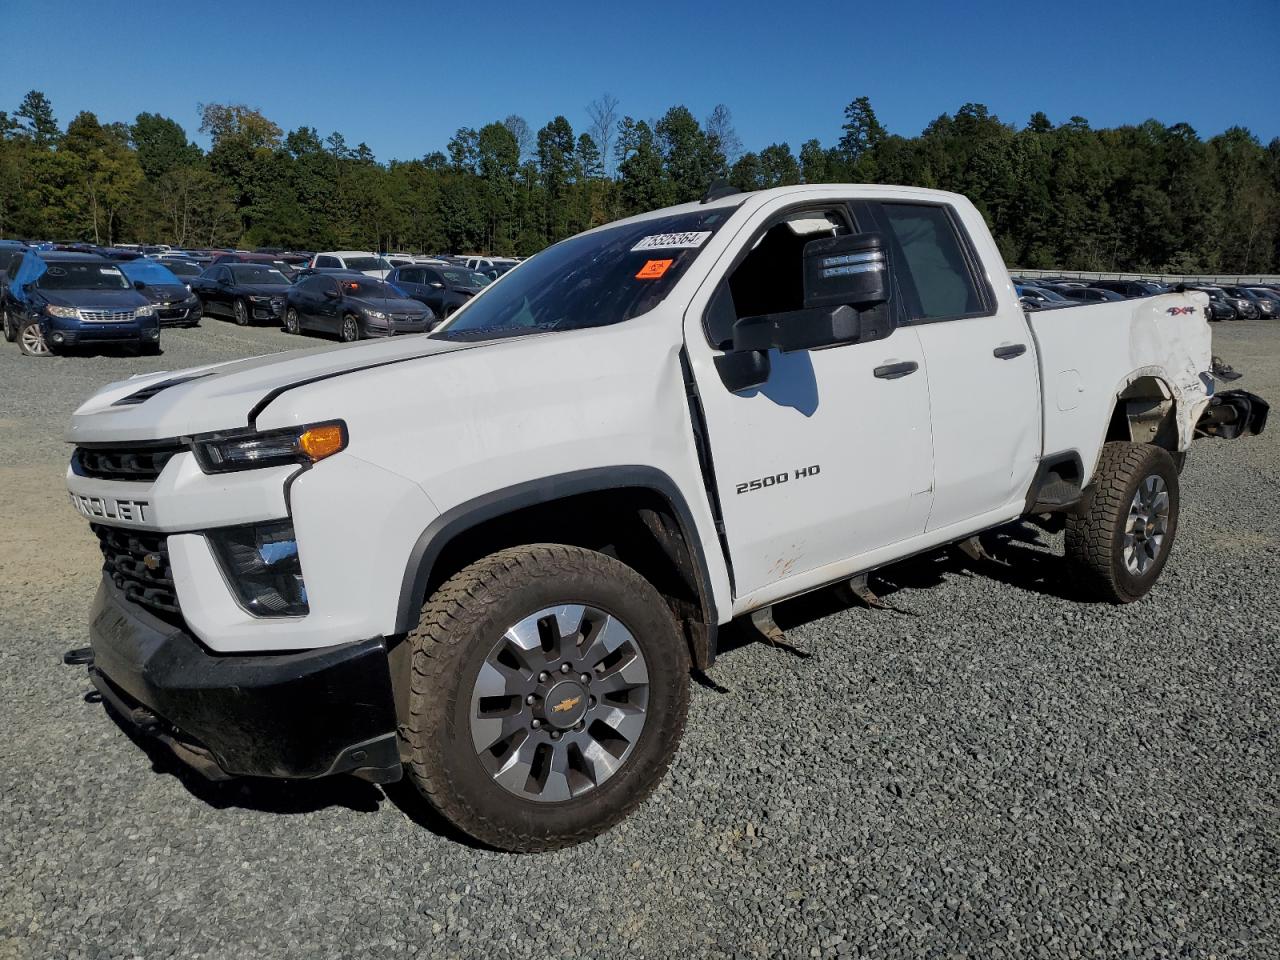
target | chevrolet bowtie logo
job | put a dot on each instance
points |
(564, 706)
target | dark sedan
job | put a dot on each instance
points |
(175, 304)
(245, 292)
(1250, 305)
(354, 306)
(443, 289)
(1084, 294)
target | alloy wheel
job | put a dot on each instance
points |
(1147, 525)
(32, 340)
(350, 329)
(559, 703)
(291, 321)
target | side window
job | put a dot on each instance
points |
(411, 275)
(430, 276)
(327, 262)
(934, 258)
(770, 278)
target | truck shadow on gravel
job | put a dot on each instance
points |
(292, 796)
(1022, 554)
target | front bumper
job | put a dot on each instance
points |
(179, 315)
(70, 333)
(267, 310)
(295, 715)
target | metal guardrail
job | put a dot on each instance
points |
(1232, 279)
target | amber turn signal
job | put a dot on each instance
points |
(322, 441)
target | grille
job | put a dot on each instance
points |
(407, 317)
(106, 316)
(139, 464)
(125, 556)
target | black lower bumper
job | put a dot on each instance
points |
(292, 715)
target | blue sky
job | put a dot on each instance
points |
(402, 76)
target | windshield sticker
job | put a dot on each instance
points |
(653, 269)
(109, 271)
(673, 241)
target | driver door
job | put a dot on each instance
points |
(831, 458)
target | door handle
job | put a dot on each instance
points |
(1009, 351)
(892, 371)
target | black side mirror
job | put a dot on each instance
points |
(331, 294)
(846, 300)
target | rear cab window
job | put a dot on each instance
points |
(936, 266)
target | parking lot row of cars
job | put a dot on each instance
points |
(1226, 302)
(56, 297)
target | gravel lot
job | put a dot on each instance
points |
(991, 769)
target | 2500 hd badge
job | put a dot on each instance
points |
(109, 508)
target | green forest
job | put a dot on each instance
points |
(1148, 197)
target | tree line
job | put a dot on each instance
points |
(1148, 197)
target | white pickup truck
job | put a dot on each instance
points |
(490, 555)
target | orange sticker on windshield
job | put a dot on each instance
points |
(653, 269)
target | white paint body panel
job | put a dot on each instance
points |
(905, 464)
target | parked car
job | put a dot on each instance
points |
(1130, 288)
(1250, 305)
(184, 270)
(59, 300)
(361, 261)
(1220, 306)
(175, 304)
(290, 270)
(245, 292)
(11, 252)
(442, 288)
(1084, 294)
(487, 559)
(1042, 298)
(354, 306)
(1268, 295)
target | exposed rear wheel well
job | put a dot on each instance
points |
(1145, 412)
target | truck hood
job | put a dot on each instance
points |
(226, 396)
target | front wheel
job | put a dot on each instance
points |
(10, 333)
(350, 328)
(1119, 538)
(31, 340)
(241, 314)
(548, 694)
(291, 321)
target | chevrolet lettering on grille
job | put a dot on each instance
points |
(109, 508)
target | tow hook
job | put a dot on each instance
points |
(1232, 414)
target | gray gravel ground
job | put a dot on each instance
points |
(994, 769)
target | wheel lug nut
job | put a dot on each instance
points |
(530, 699)
(585, 678)
(555, 734)
(591, 701)
(537, 724)
(542, 677)
(564, 668)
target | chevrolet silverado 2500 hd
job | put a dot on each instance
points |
(489, 555)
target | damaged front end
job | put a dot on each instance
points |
(1232, 414)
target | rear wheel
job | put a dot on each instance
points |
(291, 321)
(1121, 534)
(31, 340)
(10, 333)
(350, 328)
(548, 695)
(241, 313)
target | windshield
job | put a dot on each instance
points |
(182, 269)
(369, 287)
(90, 275)
(465, 278)
(247, 273)
(366, 263)
(148, 271)
(591, 280)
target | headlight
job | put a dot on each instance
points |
(262, 567)
(248, 451)
(66, 313)
(259, 299)
(147, 311)
(375, 315)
